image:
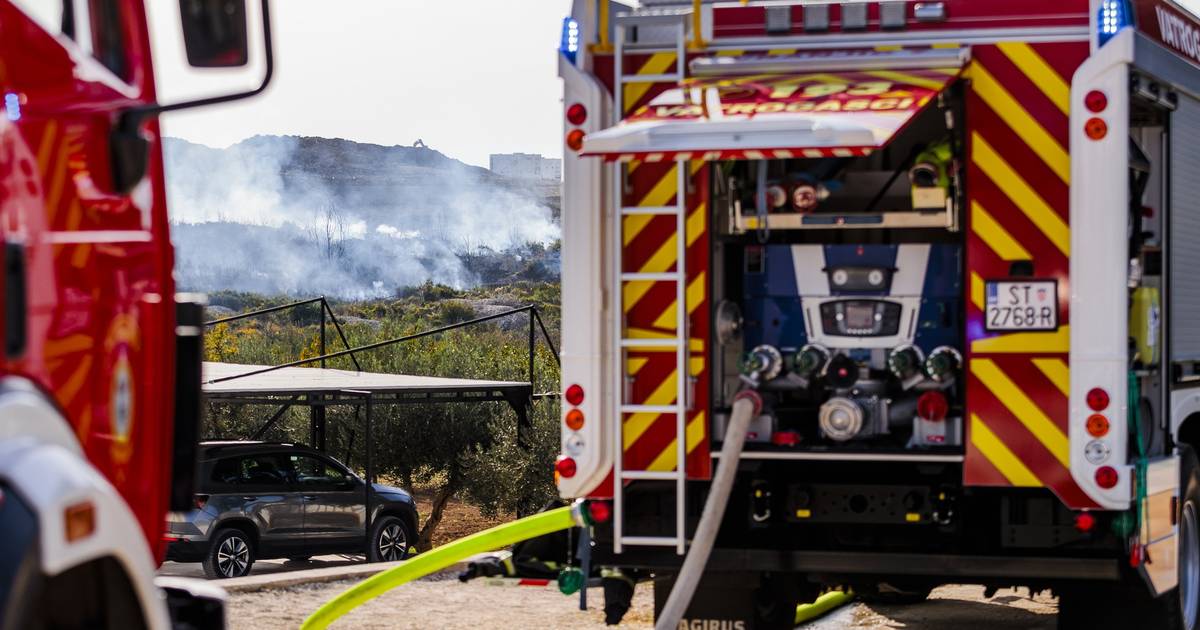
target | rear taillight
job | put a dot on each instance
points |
(1084, 522)
(1107, 477)
(599, 511)
(1097, 399)
(565, 467)
(1095, 101)
(577, 114)
(574, 420)
(201, 501)
(574, 395)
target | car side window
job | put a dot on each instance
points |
(314, 473)
(262, 471)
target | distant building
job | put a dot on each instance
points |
(526, 166)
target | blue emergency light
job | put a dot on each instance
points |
(1113, 16)
(12, 107)
(570, 38)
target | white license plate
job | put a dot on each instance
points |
(1028, 305)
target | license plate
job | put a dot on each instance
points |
(1028, 305)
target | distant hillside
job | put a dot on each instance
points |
(298, 215)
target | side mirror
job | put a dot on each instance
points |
(214, 33)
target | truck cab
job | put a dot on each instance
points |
(99, 380)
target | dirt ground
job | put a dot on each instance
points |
(459, 519)
(447, 603)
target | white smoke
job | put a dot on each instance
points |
(306, 216)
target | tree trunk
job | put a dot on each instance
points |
(440, 499)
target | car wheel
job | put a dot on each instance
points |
(390, 540)
(230, 555)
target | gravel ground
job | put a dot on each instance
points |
(952, 607)
(446, 603)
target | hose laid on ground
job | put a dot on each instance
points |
(746, 406)
(440, 558)
(823, 604)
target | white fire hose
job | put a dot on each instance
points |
(746, 406)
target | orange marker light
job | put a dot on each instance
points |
(1097, 425)
(574, 419)
(575, 139)
(1095, 128)
(80, 520)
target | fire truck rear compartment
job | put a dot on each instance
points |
(838, 295)
(838, 286)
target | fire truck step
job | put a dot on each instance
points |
(652, 475)
(650, 343)
(670, 276)
(650, 541)
(651, 78)
(649, 409)
(631, 210)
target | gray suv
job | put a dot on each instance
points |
(264, 500)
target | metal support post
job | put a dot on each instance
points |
(317, 410)
(532, 341)
(585, 563)
(370, 467)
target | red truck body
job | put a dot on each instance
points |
(100, 295)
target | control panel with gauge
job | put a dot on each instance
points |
(854, 345)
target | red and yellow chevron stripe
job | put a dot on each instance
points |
(737, 154)
(1019, 183)
(650, 246)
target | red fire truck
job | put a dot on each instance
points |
(100, 376)
(946, 250)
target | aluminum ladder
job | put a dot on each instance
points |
(680, 341)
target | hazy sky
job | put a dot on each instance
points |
(469, 77)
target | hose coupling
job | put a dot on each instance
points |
(753, 397)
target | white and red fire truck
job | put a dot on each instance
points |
(950, 247)
(100, 375)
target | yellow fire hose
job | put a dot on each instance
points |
(823, 604)
(440, 558)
